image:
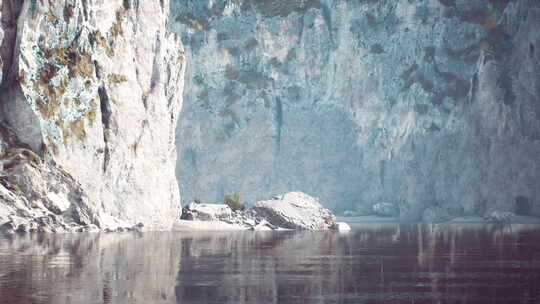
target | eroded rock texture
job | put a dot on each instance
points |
(416, 103)
(93, 88)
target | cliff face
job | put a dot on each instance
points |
(91, 90)
(417, 103)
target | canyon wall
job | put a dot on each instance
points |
(90, 95)
(418, 103)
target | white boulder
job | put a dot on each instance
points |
(295, 210)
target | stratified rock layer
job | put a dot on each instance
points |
(94, 89)
(414, 103)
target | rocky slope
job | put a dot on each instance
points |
(90, 95)
(423, 104)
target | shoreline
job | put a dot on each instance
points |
(518, 219)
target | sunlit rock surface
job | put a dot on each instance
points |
(415, 103)
(94, 89)
(206, 212)
(295, 210)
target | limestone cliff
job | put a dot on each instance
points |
(90, 95)
(418, 103)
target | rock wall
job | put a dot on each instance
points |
(418, 103)
(94, 89)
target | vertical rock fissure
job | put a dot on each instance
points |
(85, 9)
(279, 122)
(10, 12)
(106, 121)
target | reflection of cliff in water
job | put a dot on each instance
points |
(89, 268)
(424, 263)
(375, 263)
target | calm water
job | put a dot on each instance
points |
(376, 263)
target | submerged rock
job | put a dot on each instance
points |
(295, 210)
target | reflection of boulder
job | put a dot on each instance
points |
(386, 209)
(295, 210)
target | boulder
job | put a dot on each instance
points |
(341, 227)
(499, 217)
(207, 212)
(295, 210)
(386, 209)
(263, 225)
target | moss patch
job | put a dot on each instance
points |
(91, 115)
(117, 29)
(102, 42)
(77, 128)
(78, 63)
(116, 78)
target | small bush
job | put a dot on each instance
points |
(233, 200)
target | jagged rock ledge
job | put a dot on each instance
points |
(290, 211)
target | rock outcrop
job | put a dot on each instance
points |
(359, 102)
(293, 210)
(206, 212)
(91, 90)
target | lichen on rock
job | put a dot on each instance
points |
(64, 64)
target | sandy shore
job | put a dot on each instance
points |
(518, 219)
(184, 225)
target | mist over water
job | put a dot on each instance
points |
(375, 263)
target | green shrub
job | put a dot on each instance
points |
(233, 200)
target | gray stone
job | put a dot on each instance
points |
(341, 227)
(295, 210)
(207, 212)
(499, 217)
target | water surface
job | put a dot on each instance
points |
(375, 263)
